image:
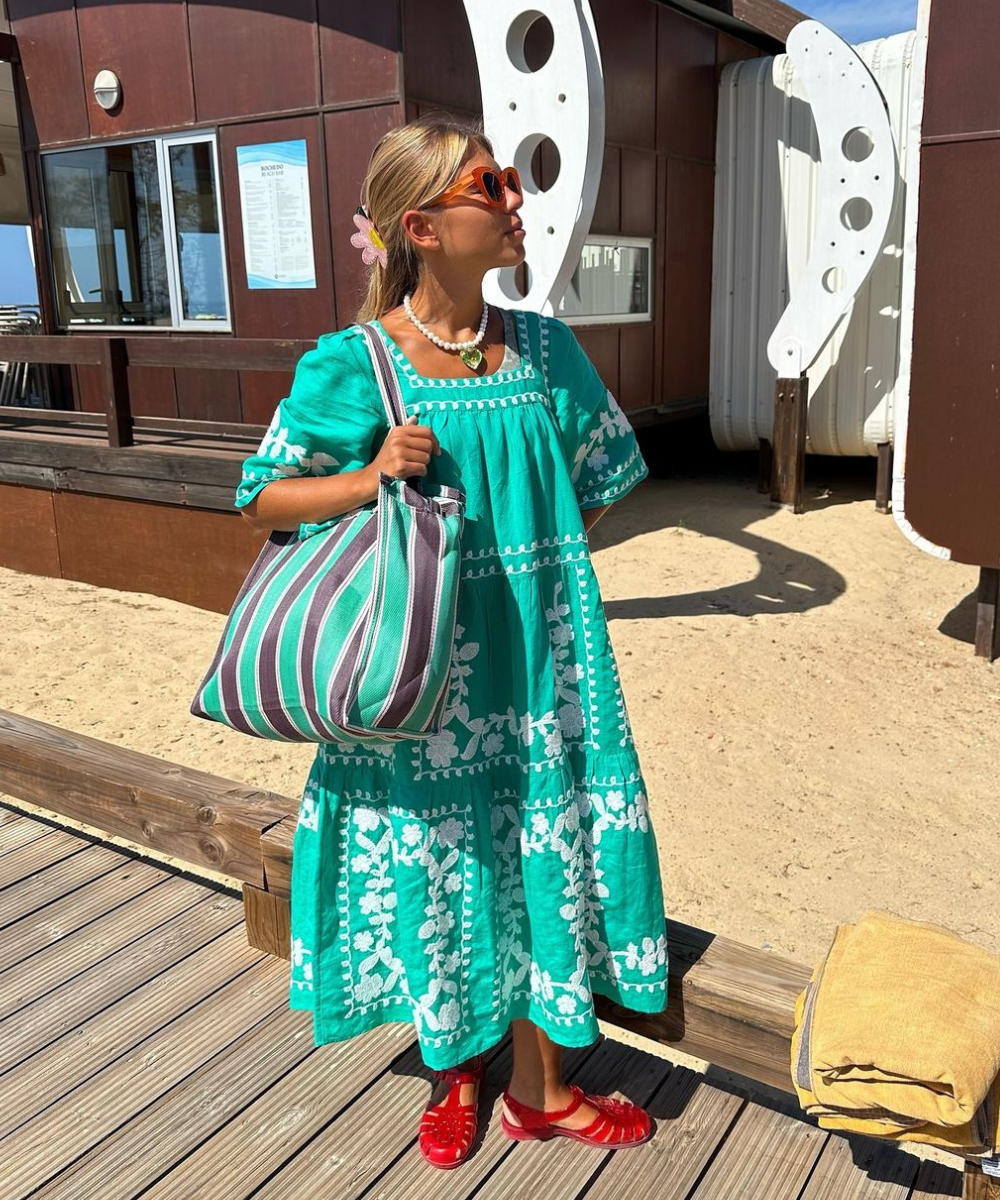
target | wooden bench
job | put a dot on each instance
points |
(729, 1004)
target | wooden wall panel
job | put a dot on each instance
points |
(635, 371)
(360, 50)
(28, 531)
(281, 312)
(208, 395)
(187, 554)
(257, 58)
(601, 345)
(608, 211)
(961, 89)
(687, 299)
(57, 108)
(350, 138)
(686, 92)
(729, 49)
(157, 98)
(953, 437)
(151, 391)
(627, 35)
(638, 190)
(439, 57)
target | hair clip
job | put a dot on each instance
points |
(368, 239)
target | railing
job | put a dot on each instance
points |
(113, 355)
(729, 1004)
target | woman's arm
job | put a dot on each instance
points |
(287, 503)
(592, 515)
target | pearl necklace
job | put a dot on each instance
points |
(467, 351)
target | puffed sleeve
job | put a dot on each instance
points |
(602, 451)
(332, 419)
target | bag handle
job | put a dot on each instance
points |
(388, 384)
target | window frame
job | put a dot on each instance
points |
(162, 143)
(616, 240)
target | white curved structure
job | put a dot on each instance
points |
(562, 100)
(856, 188)
(768, 215)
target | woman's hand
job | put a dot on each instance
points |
(406, 450)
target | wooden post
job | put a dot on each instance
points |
(114, 379)
(765, 466)
(883, 480)
(791, 399)
(987, 612)
(977, 1185)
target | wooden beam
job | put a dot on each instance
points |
(765, 466)
(988, 613)
(114, 384)
(791, 405)
(201, 353)
(883, 478)
(188, 814)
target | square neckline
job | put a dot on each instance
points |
(516, 329)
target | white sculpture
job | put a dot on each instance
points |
(857, 189)
(561, 100)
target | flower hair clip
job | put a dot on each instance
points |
(368, 239)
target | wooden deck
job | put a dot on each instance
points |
(146, 1049)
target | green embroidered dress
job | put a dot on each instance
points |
(505, 867)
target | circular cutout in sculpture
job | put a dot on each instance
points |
(530, 40)
(856, 214)
(833, 280)
(538, 162)
(858, 144)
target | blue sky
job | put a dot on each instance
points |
(862, 20)
(854, 20)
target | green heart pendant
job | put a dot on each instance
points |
(472, 358)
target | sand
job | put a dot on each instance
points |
(816, 734)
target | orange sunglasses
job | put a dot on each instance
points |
(492, 186)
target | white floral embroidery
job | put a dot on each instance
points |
(308, 808)
(302, 969)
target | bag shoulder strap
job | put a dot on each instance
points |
(385, 375)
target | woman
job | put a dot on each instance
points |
(499, 873)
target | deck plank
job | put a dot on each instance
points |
(693, 1119)
(38, 855)
(44, 1078)
(17, 830)
(852, 1167)
(53, 966)
(769, 1154)
(108, 980)
(76, 870)
(279, 1122)
(54, 1139)
(37, 930)
(935, 1180)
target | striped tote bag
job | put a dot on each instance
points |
(346, 634)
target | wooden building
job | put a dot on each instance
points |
(172, 355)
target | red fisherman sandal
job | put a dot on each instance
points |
(448, 1129)
(618, 1123)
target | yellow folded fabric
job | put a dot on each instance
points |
(980, 1136)
(907, 1019)
(898, 1035)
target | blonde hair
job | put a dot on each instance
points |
(408, 167)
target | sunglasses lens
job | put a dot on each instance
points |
(493, 186)
(512, 181)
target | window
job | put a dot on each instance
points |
(612, 283)
(135, 235)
